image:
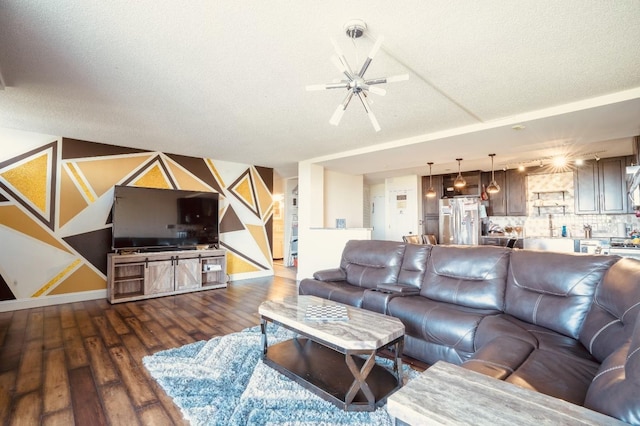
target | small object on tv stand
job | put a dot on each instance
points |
(341, 223)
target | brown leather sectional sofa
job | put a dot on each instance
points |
(567, 325)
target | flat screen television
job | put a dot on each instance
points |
(156, 219)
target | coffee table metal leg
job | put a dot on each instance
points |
(399, 347)
(263, 330)
(360, 376)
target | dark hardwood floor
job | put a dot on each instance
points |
(81, 363)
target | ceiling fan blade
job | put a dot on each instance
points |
(376, 47)
(313, 87)
(396, 78)
(341, 67)
(340, 85)
(337, 116)
(377, 90)
(370, 56)
(342, 59)
(339, 112)
(370, 114)
(392, 79)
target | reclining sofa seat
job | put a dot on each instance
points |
(534, 343)
(562, 324)
(461, 286)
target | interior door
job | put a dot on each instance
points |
(377, 217)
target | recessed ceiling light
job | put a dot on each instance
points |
(579, 162)
(518, 127)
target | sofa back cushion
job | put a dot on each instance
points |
(414, 265)
(368, 263)
(615, 307)
(554, 290)
(472, 276)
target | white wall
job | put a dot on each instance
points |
(343, 199)
(320, 248)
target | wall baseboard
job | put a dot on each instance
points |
(37, 302)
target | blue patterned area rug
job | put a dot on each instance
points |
(224, 382)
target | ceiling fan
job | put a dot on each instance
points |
(355, 83)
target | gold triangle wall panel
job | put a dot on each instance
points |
(243, 189)
(153, 174)
(30, 179)
(263, 194)
(103, 173)
(71, 200)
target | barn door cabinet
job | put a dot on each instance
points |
(138, 276)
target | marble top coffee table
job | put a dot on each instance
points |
(323, 357)
(446, 394)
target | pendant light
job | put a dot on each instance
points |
(493, 185)
(430, 192)
(459, 182)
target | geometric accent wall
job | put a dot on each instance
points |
(56, 200)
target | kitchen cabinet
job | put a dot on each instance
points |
(601, 187)
(511, 200)
(430, 206)
(516, 193)
(497, 205)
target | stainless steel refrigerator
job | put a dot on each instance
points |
(460, 221)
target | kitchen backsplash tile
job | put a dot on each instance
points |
(545, 197)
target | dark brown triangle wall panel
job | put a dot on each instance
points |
(197, 167)
(73, 148)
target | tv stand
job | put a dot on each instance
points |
(136, 276)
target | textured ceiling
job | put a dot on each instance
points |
(226, 79)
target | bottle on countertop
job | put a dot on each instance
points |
(564, 231)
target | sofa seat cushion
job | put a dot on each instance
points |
(430, 353)
(504, 344)
(540, 337)
(338, 291)
(500, 357)
(556, 374)
(438, 322)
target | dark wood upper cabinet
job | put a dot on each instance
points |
(601, 187)
(516, 193)
(497, 202)
(430, 205)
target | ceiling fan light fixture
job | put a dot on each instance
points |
(355, 83)
(493, 187)
(431, 193)
(460, 182)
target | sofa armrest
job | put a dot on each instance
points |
(399, 289)
(335, 274)
(614, 389)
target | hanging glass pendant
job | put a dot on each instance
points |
(493, 185)
(430, 192)
(459, 182)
